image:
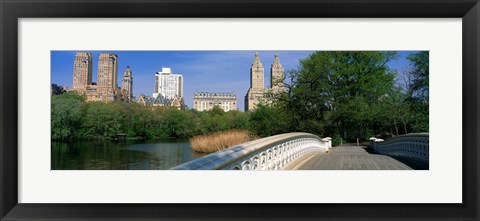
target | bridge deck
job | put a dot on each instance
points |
(350, 158)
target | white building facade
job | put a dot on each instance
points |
(204, 101)
(169, 85)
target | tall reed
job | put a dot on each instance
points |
(219, 140)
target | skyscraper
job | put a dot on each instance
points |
(82, 71)
(168, 84)
(256, 93)
(257, 74)
(107, 71)
(277, 74)
(127, 85)
(107, 77)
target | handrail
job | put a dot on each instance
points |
(269, 153)
(414, 146)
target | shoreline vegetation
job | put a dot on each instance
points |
(346, 95)
(220, 140)
(72, 118)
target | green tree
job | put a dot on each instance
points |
(419, 90)
(176, 123)
(102, 120)
(268, 120)
(141, 121)
(66, 115)
(419, 85)
(336, 92)
(237, 120)
(57, 90)
(393, 115)
(214, 120)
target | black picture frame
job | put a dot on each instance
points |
(12, 10)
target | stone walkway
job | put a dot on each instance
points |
(350, 158)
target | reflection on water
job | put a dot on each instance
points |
(124, 155)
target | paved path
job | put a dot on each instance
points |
(350, 158)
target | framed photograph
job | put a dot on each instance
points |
(239, 110)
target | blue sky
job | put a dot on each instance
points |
(210, 71)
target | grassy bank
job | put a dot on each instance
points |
(220, 140)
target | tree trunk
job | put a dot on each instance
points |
(405, 127)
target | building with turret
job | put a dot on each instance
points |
(127, 85)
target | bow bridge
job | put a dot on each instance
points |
(304, 151)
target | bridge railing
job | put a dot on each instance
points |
(414, 146)
(270, 153)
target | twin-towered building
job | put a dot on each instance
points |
(106, 88)
(169, 86)
(227, 101)
(257, 92)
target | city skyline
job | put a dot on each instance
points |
(212, 71)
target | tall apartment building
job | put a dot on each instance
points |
(204, 101)
(127, 85)
(107, 77)
(257, 74)
(106, 88)
(257, 92)
(169, 85)
(277, 75)
(82, 71)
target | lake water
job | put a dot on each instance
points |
(121, 155)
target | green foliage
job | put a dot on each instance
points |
(214, 120)
(349, 95)
(342, 94)
(66, 115)
(57, 90)
(420, 115)
(269, 120)
(341, 90)
(418, 90)
(139, 120)
(71, 95)
(419, 86)
(336, 140)
(102, 120)
(176, 123)
(237, 120)
(72, 117)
